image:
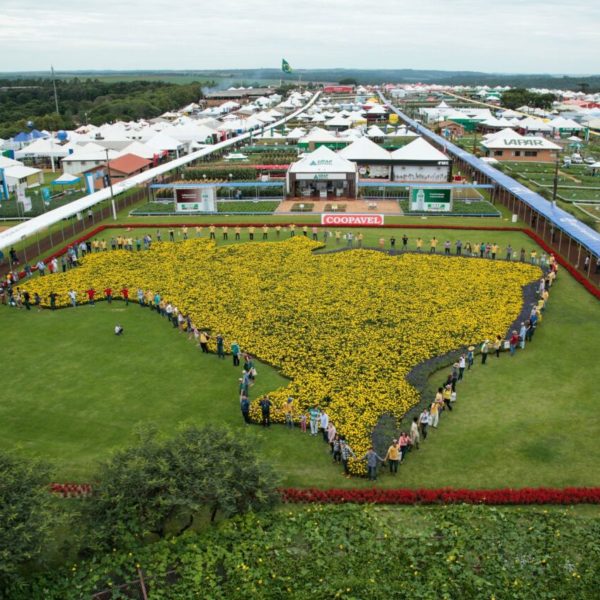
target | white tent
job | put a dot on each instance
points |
(44, 148)
(6, 162)
(562, 123)
(531, 124)
(66, 179)
(139, 149)
(296, 133)
(318, 135)
(375, 132)
(364, 150)
(162, 141)
(323, 160)
(418, 151)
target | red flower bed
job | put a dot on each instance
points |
(71, 490)
(444, 496)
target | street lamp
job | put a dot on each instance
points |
(112, 195)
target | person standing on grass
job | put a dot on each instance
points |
(392, 457)
(41, 267)
(235, 353)
(419, 244)
(289, 412)
(372, 458)
(415, 438)
(324, 424)
(485, 348)
(359, 238)
(52, 296)
(184, 231)
(278, 231)
(220, 346)
(433, 245)
(245, 408)
(108, 295)
(470, 357)
(212, 230)
(434, 414)
(336, 449)
(424, 422)
(314, 414)
(238, 231)
(91, 293)
(447, 247)
(497, 345)
(346, 452)
(73, 298)
(458, 245)
(349, 238)
(315, 236)
(125, 295)
(382, 243)
(509, 252)
(404, 242)
(204, 337)
(338, 237)
(303, 422)
(447, 397)
(495, 249)
(27, 300)
(462, 363)
(404, 445)
(393, 243)
(251, 232)
(265, 407)
(225, 230)
(513, 342)
(292, 228)
(331, 435)
(522, 336)
(265, 231)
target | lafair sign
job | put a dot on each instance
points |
(351, 220)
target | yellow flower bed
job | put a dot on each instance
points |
(345, 327)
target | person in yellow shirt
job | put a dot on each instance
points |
(184, 231)
(533, 257)
(251, 232)
(338, 236)
(419, 244)
(198, 231)
(95, 245)
(305, 230)
(494, 250)
(225, 230)
(278, 230)
(212, 229)
(359, 239)
(265, 231)
(433, 244)
(393, 456)
(237, 230)
(292, 230)
(103, 245)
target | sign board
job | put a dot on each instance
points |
(424, 199)
(415, 173)
(22, 198)
(195, 199)
(320, 176)
(356, 220)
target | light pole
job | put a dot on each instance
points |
(112, 195)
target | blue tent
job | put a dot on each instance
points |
(66, 179)
(22, 137)
(35, 134)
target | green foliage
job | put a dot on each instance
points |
(158, 483)
(358, 552)
(86, 100)
(348, 81)
(520, 97)
(24, 511)
(247, 207)
(238, 173)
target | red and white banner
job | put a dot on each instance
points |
(354, 220)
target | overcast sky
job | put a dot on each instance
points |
(513, 36)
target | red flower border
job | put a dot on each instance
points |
(589, 286)
(505, 496)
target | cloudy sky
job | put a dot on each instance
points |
(512, 36)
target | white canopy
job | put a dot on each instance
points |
(375, 132)
(6, 162)
(531, 124)
(139, 149)
(20, 172)
(44, 147)
(323, 160)
(318, 135)
(162, 141)
(66, 178)
(363, 150)
(418, 150)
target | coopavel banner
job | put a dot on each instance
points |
(355, 220)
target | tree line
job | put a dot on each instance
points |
(30, 103)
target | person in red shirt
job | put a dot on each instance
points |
(125, 294)
(91, 293)
(514, 340)
(108, 295)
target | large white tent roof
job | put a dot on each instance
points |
(323, 160)
(364, 149)
(162, 141)
(139, 149)
(20, 171)
(418, 150)
(44, 147)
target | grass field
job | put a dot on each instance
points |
(79, 392)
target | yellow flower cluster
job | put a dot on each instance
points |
(345, 327)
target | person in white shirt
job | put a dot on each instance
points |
(415, 437)
(73, 297)
(118, 329)
(324, 419)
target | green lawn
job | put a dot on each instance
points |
(79, 392)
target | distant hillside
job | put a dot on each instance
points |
(226, 77)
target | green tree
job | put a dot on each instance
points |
(159, 486)
(348, 81)
(25, 512)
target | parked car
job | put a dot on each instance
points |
(590, 160)
(576, 159)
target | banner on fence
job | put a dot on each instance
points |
(356, 220)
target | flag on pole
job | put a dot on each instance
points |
(285, 66)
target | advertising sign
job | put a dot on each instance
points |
(356, 220)
(431, 199)
(195, 199)
(320, 176)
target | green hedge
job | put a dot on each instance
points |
(238, 173)
(259, 206)
(352, 552)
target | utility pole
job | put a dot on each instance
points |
(555, 182)
(112, 195)
(55, 94)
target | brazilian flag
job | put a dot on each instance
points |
(285, 66)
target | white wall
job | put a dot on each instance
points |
(429, 174)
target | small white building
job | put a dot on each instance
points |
(419, 161)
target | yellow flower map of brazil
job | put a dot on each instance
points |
(344, 327)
